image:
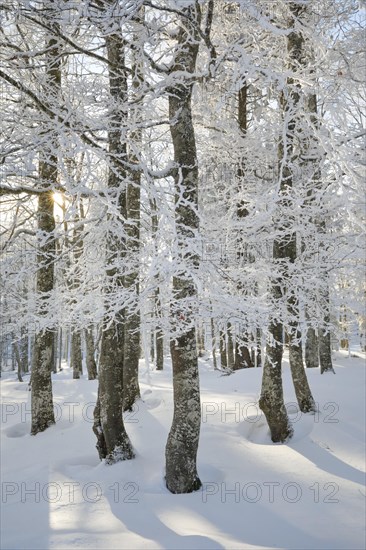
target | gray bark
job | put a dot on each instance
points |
(42, 360)
(18, 360)
(311, 349)
(76, 362)
(213, 340)
(230, 348)
(182, 444)
(158, 334)
(271, 400)
(222, 345)
(113, 443)
(91, 365)
(285, 250)
(131, 389)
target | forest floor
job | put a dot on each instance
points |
(307, 494)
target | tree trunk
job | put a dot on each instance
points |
(24, 351)
(200, 341)
(18, 361)
(242, 357)
(222, 345)
(42, 361)
(213, 340)
(113, 443)
(131, 389)
(302, 389)
(230, 347)
(158, 334)
(182, 445)
(271, 400)
(311, 349)
(159, 349)
(76, 362)
(285, 246)
(91, 365)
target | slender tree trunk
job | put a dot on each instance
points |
(285, 247)
(242, 357)
(42, 361)
(113, 443)
(182, 445)
(24, 351)
(311, 349)
(302, 389)
(222, 345)
(213, 340)
(325, 345)
(60, 349)
(131, 389)
(158, 334)
(230, 347)
(91, 365)
(271, 401)
(200, 340)
(76, 362)
(159, 349)
(18, 360)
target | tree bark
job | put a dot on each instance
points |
(91, 365)
(158, 334)
(42, 361)
(76, 362)
(271, 400)
(311, 349)
(182, 445)
(131, 389)
(222, 345)
(230, 347)
(113, 443)
(285, 246)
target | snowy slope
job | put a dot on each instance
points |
(307, 494)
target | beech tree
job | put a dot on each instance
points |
(182, 444)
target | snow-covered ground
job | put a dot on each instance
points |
(309, 493)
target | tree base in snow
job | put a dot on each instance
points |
(123, 452)
(41, 426)
(277, 420)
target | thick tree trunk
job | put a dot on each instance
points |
(182, 445)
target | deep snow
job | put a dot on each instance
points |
(309, 493)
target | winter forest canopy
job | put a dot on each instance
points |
(180, 178)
